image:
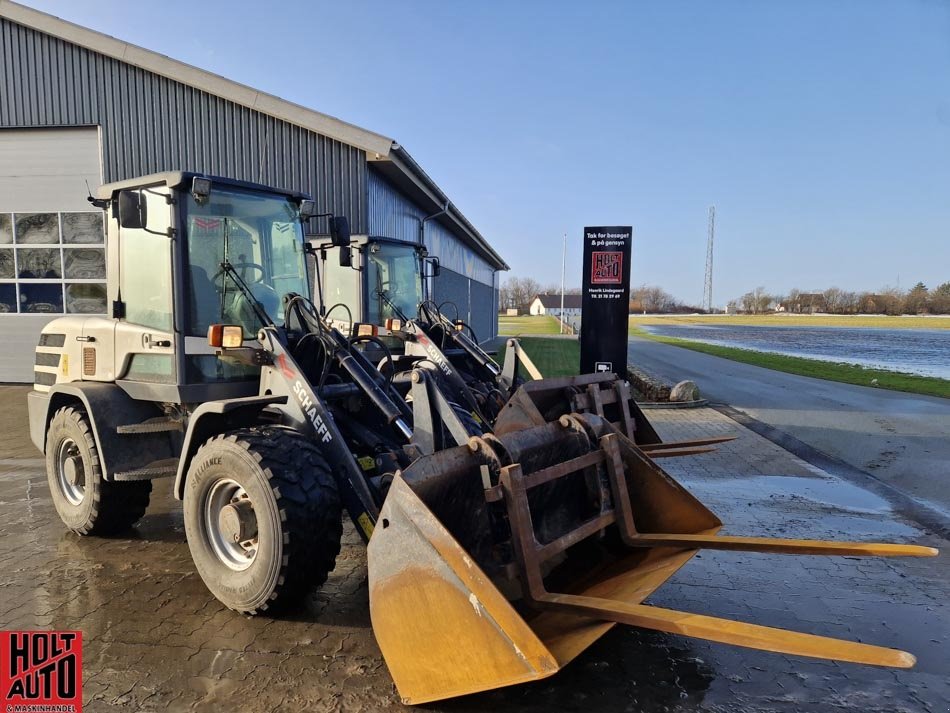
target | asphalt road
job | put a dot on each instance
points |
(900, 439)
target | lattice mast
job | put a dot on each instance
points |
(707, 289)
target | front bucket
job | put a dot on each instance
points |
(544, 400)
(443, 627)
(446, 630)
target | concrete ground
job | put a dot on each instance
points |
(901, 439)
(155, 640)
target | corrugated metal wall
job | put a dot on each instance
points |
(151, 123)
(393, 215)
(467, 281)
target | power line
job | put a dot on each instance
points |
(707, 289)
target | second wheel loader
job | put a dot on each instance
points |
(493, 558)
(383, 287)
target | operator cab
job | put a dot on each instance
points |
(380, 279)
(186, 251)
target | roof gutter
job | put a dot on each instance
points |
(407, 164)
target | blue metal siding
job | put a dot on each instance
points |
(150, 123)
(393, 215)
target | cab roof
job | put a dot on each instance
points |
(176, 179)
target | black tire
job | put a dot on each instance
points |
(296, 514)
(89, 505)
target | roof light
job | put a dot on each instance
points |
(201, 189)
(308, 209)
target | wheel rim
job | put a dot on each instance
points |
(231, 524)
(70, 473)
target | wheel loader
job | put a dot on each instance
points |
(381, 287)
(493, 558)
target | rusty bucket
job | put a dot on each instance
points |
(500, 562)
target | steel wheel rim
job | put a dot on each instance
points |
(237, 556)
(69, 451)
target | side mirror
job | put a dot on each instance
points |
(346, 256)
(436, 267)
(133, 211)
(340, 232)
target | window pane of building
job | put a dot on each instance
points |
(39, 263)
(37, 228)
(41, 298)
(6, 229)
(7, 271)
(86, 298)
(85, 263)
(82, 228)
(8, 298)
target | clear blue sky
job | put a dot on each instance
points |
(820, 129)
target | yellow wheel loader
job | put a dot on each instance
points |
(494, 557)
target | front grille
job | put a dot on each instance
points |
(52, 340)
(44, 378)
(43, 359)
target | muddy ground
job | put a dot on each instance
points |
(155, 640)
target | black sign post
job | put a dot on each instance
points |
(606, 300)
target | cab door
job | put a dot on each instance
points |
(144, 333)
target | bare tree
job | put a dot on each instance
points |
(518, 292)
(834, 298)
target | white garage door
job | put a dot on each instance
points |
(52, 246)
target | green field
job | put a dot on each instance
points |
(832, 371)
(798, 320)
(553, 357)
(513, 326)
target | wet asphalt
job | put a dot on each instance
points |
(900, 439)
(155, 639)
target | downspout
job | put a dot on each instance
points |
(422, 241)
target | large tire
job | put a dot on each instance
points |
(86, 503)
(293, 510)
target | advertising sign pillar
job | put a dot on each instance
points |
(606, 300)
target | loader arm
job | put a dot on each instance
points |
(307, 412)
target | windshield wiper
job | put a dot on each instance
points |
(384, 297)
(228, 269)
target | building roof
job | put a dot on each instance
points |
(381, 151)
(553, 300)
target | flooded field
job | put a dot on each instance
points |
(916, 351)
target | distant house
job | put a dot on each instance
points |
(550, 304)
(804, 303)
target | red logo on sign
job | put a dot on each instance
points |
(606, 268)
(41, 671)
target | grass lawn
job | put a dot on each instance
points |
(832, 371)
(554, 357)
(513, 326)
(799, 320)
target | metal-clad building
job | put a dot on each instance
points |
(78, 107)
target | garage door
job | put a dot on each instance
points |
(52, 245)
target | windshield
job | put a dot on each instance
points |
(394, 270)
(262, 238)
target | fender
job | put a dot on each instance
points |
(214, 417)
(107, 406)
